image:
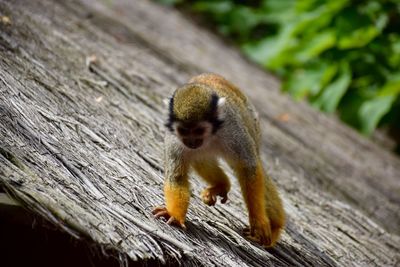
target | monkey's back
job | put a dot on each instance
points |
(234, 95)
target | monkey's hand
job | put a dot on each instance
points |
(209, 195)
(162, 212)
(259, 231)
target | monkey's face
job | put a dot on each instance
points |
(194, 135)
(195, 114)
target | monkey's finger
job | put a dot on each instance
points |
(253, 238)
(213, 200)
(224, 199)
(246, 231)
(265, 240)
(268, 245)
(162, 213)
(174, 221)
(171, 220)
(157, 209)
(182, 225)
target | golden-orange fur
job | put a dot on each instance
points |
(219, 183)
(177, 200)
(266, 214)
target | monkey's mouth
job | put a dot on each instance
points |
(193, 143)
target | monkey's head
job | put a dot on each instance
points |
(195, 114)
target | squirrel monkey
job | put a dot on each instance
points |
(209, 118)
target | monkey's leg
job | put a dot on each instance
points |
(177, 196)
(275, 211)
(252, 182)
(212, 173)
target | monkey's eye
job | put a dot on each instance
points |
(183, 131)
(199, 131)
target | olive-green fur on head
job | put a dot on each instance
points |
(192, 102)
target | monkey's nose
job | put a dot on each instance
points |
(193, 143)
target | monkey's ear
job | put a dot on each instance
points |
(221, 108)
(221, 102)
(166, 102)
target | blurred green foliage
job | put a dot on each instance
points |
(343, 56)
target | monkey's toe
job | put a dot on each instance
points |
(162, 212)
(259, 234)
(173, 221)
(246, 231)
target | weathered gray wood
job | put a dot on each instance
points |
(81, 89)
(6, 200)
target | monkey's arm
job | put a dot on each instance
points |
(177, 196)
(219, 183)
(176, 187)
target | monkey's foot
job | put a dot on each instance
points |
(260, 233)
(161, 212)
(209, 195)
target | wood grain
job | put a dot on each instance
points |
(81, 141)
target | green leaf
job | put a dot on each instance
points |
(308, 82)
(358, 38)
(315, 45)
(391, 88)
(217, 7)
(271, 52)
(261, 52)
(242, 20)
(333, 93)
(372, 111)
(170, 2)
(279, 7)
(394, 56)
(313, 16)
(356, 30)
